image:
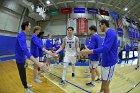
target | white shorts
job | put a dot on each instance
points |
(70, 59)
(66, 64)
(41, 59)
(93, 64)
(48, 56)
(107, 73)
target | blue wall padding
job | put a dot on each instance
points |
(7, 45)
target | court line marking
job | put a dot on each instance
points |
(6, 60)
(51, 81)
(66, 81)
(72, 84)
(56, 84)
(7, 56)
(45, 77)
(133, 87)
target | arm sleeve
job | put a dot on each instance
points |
(23, 45)
(36, 42)
(107, 44)
(92, 43)
(64, 40)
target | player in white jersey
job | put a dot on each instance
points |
(71, 45)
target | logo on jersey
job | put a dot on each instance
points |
(70, 42)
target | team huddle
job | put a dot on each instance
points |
(105, 49)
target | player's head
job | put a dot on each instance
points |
(48, 36)
(40, 35)
(103, 24)
(70, 30)
(26, 26)
(126, 42)
(37, 29)
(93, 29)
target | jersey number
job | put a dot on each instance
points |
(69, 45)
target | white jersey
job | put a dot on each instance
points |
(70, 49)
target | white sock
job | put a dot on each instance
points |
(64, 74)
(64, 71)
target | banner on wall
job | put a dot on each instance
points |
(82, 25)
(120, 31)
(53, 12)
(119, 23)
(130, 32)
(103, 12)
(79, 10)
(135, 44)
(72, 23)
(66, 10)
(133, 31)
(114, 15)
(128, 19)
(136, 34)
(92, 11)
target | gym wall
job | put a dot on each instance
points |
(10, 15)
(55, 26)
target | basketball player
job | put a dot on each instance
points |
(109, 50)
(138, 55)
(95, 42)
(35, 46)
(56, 46)
(40, 36)
(41, 54)
(87, 42)
(49, 47)
(21, 51)
(71, 45)
(127, 49)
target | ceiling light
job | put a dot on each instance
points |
(125, 9)
(48, 2)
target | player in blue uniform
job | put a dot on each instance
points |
(49, 47)
(21, 51)
(95, 42)
(109, 51)
(35, 46)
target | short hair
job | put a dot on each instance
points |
(36, 28)
(104, 21)
(70, 28)
(48, 35)
(24, 24)
(40, 34)
(93, 27)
